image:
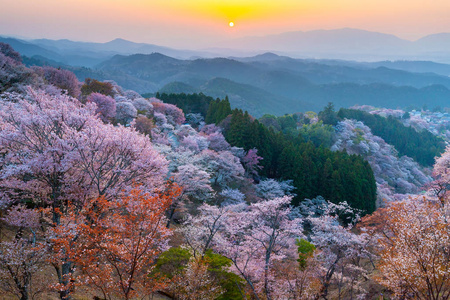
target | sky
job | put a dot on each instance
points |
(196, 24)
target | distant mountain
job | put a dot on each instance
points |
(269, 83)
(415, 66)
(322, 41)
(85, 54)
(349, 44)
(264, 83)
(346, 43)
(435, 42)
(29, 49)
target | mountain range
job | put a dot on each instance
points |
(267, 82)
(345, 43)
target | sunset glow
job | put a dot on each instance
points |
(170, 22)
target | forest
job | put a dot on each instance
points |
(106, 194)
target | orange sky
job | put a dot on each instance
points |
(201, 23)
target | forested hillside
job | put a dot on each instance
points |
(422, 146)
(106, 194)
(315, 171)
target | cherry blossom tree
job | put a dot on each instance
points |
(125, 112)
(25, 255)
(223, 166)
(441, 174)
(118, 241)
(200, 232)
(173, 113)
(217, 142)
(37, 138)
(142, 105)
(106, 106)
(340, 249)
(56, 151)
(403, 174)
(231, 197)
(60, 78)
(9, 52)
(251, 162)
(110, 159)
(271, 188)
(413, 248)
(257, 237)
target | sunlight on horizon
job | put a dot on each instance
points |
(181, 22)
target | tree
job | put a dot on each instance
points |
(144, 125)
(8, 51)
(222, 166)
(251, 162)
(24, 256)
(111, 159)
(56, 151)
(173, 113)
(200, 232)
(125, 113)
(94, 86)
(257, 237)
(441, 184)
(60, 78)
(195, 282)
(414, 248)
(340, 250)
(106, 106)
(328, 115)
(119, 240)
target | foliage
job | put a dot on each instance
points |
(328, 115)
(56, 152)
(171, 262)
(195, 282)
(117, 241)
(413, 248)
(189, 103)
(217, 111)
(305, 251)
(315, 171)
(144, 125)
(94, 86)
(317, 133)
(174, 262)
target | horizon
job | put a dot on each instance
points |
(198, 24)
(31, 38)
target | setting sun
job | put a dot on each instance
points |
(231, 24)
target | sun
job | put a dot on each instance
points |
(231, 24)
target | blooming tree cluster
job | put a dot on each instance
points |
(394, 175)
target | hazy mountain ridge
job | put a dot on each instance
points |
(292, 83)
(265, 83)
(351, 44)
(345, 43)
